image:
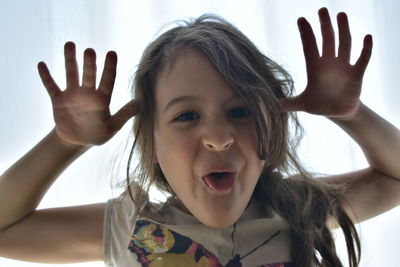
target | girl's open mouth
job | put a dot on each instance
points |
(220, 181)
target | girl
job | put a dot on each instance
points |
(211, 127)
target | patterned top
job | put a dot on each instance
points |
(172, 237)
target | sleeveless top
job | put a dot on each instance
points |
(172, 237)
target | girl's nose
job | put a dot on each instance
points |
(217, 137)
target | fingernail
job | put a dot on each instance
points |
(69, 45)
(323, 11)
(90, 51)
(300, 22)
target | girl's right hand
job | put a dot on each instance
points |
(81, 112)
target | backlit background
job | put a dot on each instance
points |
(33, 31)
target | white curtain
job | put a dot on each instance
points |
(32, 31)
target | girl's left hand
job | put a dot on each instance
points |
(334, 85)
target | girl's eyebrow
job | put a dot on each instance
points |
(185, 98)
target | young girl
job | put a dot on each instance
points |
(211, 127)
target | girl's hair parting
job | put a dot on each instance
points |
(305, 202)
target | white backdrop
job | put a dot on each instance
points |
(32, 31)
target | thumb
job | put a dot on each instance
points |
(291, 104)
(129, 110)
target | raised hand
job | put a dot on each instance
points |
(334, 85)
(81, 112)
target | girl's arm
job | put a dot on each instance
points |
(82, 119)
(379, 140)
(24, 184)
(48, 236)
(376, 189)
(333, 90)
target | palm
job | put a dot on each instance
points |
(332, 89)
(81, 112)
(334, 85)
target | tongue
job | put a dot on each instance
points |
(221, 182)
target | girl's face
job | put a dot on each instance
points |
(202, 126)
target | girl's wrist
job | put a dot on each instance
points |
(358, 111)
(66, 145)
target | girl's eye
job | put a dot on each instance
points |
(239, 113)
(187, 116)
(236, 113)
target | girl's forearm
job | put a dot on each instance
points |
(24, 184)
(379, 140)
